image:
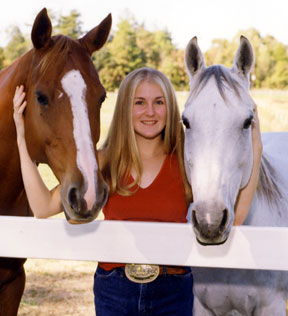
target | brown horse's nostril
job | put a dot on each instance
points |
(73, 199)
(102, 196)
(105, 195)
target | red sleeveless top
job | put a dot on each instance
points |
(162, 201)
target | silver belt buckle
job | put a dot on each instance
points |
(141, 273)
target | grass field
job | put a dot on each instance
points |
(61, 288)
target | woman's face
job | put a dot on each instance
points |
(149, 111)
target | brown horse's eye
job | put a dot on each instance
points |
(41, 98)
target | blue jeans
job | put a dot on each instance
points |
(168, 295)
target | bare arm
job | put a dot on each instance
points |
(246, 195)
(44, 203)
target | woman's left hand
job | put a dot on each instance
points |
(19, 106)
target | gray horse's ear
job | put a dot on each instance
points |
(41, 30)
(98, 36)
(194, 59)
(244, 58)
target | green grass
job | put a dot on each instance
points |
(273, 109)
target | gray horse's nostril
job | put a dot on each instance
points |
(194, 220)
(224, 220)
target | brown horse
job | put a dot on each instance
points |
(62, 124)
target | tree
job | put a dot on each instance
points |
(279, 77)
(150, 49)
(69, 25)
(124, 55)
(271, 58)
(173, 67)
(221, 52)
(17, 46)
(131, 47)
(2, 58)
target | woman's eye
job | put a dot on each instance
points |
(159, 102)
(41, 98)
(139, 102)
(247, 123)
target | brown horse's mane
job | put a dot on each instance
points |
(267, 184)
(61, 45)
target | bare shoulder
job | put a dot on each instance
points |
(56, 194)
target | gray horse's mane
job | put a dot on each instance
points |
(267, 184)
(222, 77)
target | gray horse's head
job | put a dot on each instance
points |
(218, 142)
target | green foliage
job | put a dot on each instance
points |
(2, 58)
(149, 47)
(132, 46)
(173, 67)
(17, 46)
(124, 54)
(271, 58)
(69, 25)
(221, 52)
(279, 77)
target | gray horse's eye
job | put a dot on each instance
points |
(247, 123)
(185, 122)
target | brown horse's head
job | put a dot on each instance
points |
(62, 118)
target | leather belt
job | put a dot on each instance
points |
(146, 273)
(172, 270)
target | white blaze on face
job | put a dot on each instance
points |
(75, 87)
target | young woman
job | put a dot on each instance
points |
(142, 162)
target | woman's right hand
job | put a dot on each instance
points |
(19, 106)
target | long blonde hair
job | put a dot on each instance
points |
(120, 148)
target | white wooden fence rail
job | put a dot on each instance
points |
(141, 242)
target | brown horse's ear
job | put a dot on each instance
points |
(97, 37)
(42, 29)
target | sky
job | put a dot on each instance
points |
(184, 19)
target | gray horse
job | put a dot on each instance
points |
(218, 161)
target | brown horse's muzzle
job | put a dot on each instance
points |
(76, 205)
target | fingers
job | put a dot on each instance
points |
(256, 122)
(18, 99)
(256, 116)
(22, 107)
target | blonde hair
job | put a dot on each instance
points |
(120, 148)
